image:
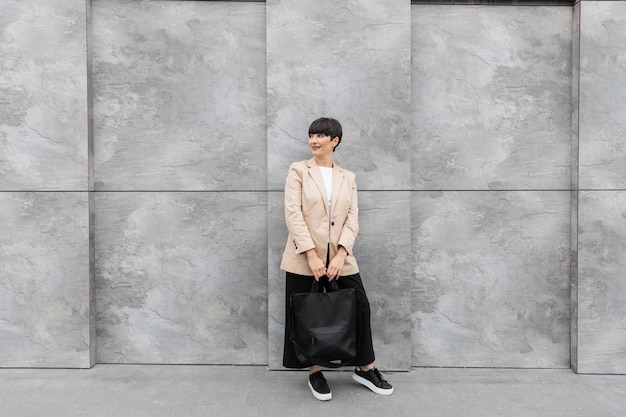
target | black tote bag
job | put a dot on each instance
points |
(324, 325)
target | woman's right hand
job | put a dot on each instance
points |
(316, 265)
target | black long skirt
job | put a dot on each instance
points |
(302, 283)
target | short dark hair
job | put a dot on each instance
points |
(327, 127)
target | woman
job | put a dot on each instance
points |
(319, 247)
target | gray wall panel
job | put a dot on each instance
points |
(383, 250)
(601, 283)
(44, 280)
(43, 95)
(181, 277)
(602, 95)
(349, 60)
(45, 268)
(180, 105)
(491, 111)
(491, 281)
(179, 95)
(575, 187)
(277, 232)
(491, 97)
(598, 286)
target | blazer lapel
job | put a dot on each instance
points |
(337, 182)
(315, 173)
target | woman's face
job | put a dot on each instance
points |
(321, 145)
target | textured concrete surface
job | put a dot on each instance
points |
(439, 114)
(179, 90)
(491, 111)
(599, 331)
(172, 282)
(159, 391)
(491, 281)
(43, 95)
(46, 304)
(491, 100)
(179, 104)
(575, 186)
(602, 126)
(44, 280)
(349, 60)
(601, 284)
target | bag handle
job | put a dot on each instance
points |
(326, 286)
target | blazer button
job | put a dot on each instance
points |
(332, 223)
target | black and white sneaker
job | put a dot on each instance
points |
(373, 380)
(319, 386)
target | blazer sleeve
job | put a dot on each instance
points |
(351, 225)
(294, 217)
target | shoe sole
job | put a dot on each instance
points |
(371, 386)
(320, 396)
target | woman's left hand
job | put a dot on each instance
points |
(336, 264)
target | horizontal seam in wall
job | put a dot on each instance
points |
(280, 191)
(178, 191)
(495, 2)
(133, 191)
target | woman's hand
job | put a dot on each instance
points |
(336, 264)
(315, 264)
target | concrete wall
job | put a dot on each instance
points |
(600, 125)
(491, 175)
(180, 174)
(144, 146)
(46, 271)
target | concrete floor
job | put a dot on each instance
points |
(188, 391)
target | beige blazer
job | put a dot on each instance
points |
(307, 218)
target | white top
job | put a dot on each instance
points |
(327, 174)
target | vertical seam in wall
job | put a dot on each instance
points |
(577, 184)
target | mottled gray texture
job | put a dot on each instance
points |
(349, 60)
(602, 95)
(576, 30)
(574, 194)
(601, 282)
(383, 252)
(43, 95)
(179, 93)
(180, 105)
(491, 285)
(491, 91)
(384, 249)
(277, 237)
(181, 277)
(598, 287)
(574, 280)
(44, 280)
